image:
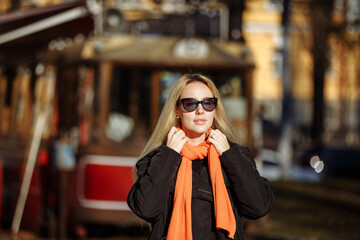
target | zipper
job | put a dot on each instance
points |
(201, 190)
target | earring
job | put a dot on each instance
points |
(177, 117)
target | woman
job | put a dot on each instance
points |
(194, 180)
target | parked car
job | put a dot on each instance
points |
(333, 161)
(271, 166)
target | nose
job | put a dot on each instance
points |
(199, 109)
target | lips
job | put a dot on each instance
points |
(200, 121)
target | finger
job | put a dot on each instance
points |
(172, 131)
(170, 136)
(210, 140)
(179, 134)
(184, 140)
(219, 141)
(180, 144)
(219, 134)
(216, 145)
(213, 140)
(210, 133)
(176, 138)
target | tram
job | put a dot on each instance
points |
(122, 84)
(99, 98)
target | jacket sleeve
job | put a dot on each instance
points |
(253, 196)
(156, 173)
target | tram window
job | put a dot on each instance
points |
(129, 104)
(119, 99)
(167, 80)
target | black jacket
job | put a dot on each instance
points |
(151, 197)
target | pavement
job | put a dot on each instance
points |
(5, 236)
(31, 236)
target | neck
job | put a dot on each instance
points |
(197, 140)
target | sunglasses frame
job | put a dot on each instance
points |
(198, 102)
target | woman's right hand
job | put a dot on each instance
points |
(176, 139)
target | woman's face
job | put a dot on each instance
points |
(196, 123)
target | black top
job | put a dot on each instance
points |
(152, 195)
(203, 223)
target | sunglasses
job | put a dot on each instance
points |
(190, 104)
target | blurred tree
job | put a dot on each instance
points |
(285, 146)
(322, 25)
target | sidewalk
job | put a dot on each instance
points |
(5, 235)
(30, 236)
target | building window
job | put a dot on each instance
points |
(275, 5)
(277, 60)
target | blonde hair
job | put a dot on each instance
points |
(168, 118)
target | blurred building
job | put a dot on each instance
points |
(263, 32)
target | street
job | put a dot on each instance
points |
(326, 210)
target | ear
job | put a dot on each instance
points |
(177, 111)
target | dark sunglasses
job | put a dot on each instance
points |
(190, 104)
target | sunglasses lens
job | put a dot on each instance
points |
(209, 104)
(189, 104)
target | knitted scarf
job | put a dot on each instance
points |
(180, 223)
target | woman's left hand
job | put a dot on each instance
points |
(219, 140)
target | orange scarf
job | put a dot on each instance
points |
(180, 223)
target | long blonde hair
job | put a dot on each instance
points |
(168, 118)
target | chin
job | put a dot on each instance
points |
(195, 130)
(201, 129)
